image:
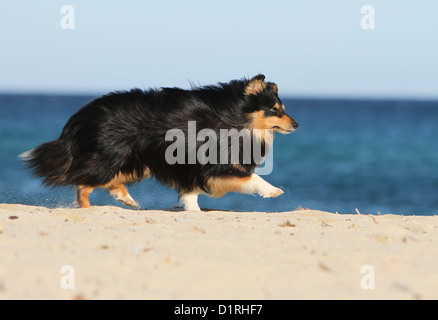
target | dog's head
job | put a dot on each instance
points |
(266, 111)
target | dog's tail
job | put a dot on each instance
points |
(51, 161)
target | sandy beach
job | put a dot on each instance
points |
(113, 253)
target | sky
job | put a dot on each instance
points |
(309, 48)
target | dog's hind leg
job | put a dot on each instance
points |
(120, 193)
(82, 194)
(189, 201)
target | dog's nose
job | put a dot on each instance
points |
(295, 125)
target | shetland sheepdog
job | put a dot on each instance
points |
(120, 138)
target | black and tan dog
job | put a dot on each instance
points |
(120, 138)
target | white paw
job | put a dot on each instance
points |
(190, 202)
(192, 208)
(271, 192)
(128, 201)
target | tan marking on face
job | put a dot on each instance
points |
(277, 106)
(219, 186)
(283, 107)
(259, 121)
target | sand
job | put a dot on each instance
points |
(113, 253)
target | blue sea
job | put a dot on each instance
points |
(376, 156)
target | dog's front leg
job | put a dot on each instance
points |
(257, 185)
(189, 201)
(250, 184)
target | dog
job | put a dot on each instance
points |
(122, 137)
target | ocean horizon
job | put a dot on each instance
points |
(378, 156)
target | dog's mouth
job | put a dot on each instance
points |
(283, 131)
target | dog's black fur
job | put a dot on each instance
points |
(124, 133)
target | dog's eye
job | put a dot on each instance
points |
(275, 110)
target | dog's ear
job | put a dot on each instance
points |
(260, 77)
(256, 85)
